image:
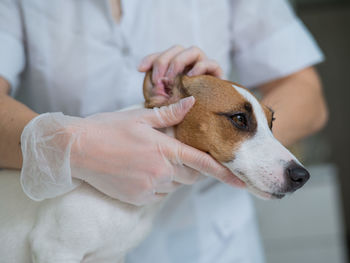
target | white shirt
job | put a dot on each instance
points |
(71, 56)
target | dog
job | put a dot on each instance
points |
(227, 122)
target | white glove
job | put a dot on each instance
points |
(119, 153)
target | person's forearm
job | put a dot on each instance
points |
(299, 106)
(13, 117)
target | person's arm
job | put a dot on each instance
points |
(13, 117)
(299, 105)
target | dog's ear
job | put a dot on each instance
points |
(170, 93)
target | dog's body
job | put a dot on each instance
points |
(85, 225)
(81, 226)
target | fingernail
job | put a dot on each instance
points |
(187, 102)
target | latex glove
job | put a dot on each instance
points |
(119, 153)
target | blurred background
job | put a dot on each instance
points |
(314, 225)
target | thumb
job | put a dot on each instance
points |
(171, 115)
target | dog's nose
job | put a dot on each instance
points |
(297, 176)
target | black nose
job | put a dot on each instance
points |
(296, 176)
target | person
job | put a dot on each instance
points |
(67, 66)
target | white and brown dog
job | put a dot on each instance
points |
(85, 225)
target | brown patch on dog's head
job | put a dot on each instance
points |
(213, 123)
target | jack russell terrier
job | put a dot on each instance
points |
(84, 225)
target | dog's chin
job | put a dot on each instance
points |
(263, 194)
(255, 190)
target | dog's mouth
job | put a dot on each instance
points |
(263, 194)
(257, 191)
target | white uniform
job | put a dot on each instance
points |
(71, 56)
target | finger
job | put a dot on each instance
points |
(147, 62)
(182, 60)
(205, 164)
(167, 116)
(166, 188)
(231, 180)
(156, 197)
(161, 63)
(207, 66)
(186, 175)
(151, 198)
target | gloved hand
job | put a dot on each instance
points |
(173, 61)
(119, 153)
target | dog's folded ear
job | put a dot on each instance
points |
(161, 95)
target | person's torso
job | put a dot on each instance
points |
(80, 61)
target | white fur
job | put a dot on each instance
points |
(81, 226)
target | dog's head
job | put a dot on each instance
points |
(230, 124)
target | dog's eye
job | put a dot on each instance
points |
(240, 121)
